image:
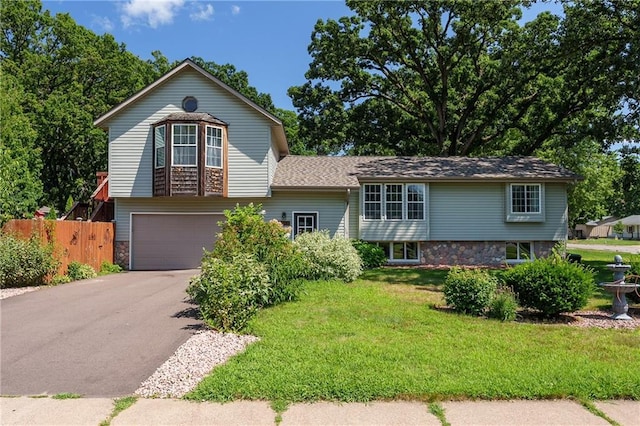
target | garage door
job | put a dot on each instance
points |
(171, 241)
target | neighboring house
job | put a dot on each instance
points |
(187, 147)
(596, 228)
(631, 227)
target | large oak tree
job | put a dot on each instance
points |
(467, 77)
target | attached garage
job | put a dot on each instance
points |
(171, 241)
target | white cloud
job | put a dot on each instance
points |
(102, 22)
(235, 9)
(203, 13)
(152, 12)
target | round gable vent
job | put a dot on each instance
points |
(189, 104)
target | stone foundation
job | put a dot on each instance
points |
(473, 253)
(122, 254)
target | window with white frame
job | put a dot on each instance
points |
(519, 251)
(304, 222)
(159, 135)
(372, 201)
(525, 198)
(214, 147)
(394, 201)
(185, 142)
(401, 251)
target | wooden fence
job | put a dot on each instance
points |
(85, 242)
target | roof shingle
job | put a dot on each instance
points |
(348, 171)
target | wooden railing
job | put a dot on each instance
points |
(86, 242)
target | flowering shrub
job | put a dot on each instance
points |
(328, 257)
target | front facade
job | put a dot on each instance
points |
(188, 147)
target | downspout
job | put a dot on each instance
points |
(347, 213)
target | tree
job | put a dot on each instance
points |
(464, 77)
(628, 200)
(20, 164)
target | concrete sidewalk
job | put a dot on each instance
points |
(93, 411)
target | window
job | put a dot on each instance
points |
(519, 251)
(214, 147)
(159, 135)
(304, 222)
(185, 142)
(415, 202)
(189, 104)
(394, 201)
(404, 251)
(525, 198)
(372, 201)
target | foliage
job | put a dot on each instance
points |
(469, 77)
(109, 268)
(25, 263)
(371, 254)
(80, 271)
(329, 258)
(375, 340)
(60, 279)
(229, 293)
(618, 228)
(20, 163)
(503, 305)
(628, 201)
(253, 264)
(469, 290)
(551, 285)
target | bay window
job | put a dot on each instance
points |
(214, 147)
(185, 143)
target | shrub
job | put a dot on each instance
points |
(329, 258)
(503, 305)
(372, 255)
(80, 271)
(551, 285)
(109, 268)
(229, 292)
(634, 261)
(469, 291)
(60, 279)
(25, 263)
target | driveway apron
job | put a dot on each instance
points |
(97, 338)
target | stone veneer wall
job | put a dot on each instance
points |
(473, 253)
(122, 254)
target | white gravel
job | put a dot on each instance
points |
(10, 292)
(192, 362)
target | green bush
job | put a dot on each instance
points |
(503, 305)
(80, 271)
(329, 258)
(109, 268)
(551, 285)
(60, 279)
(25, 263)
(469, 291)
(634, 261)
(371, 254)
(229, 292)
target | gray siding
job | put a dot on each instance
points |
(330, 206)
(476, 212)
(130, 151)
(354, 214)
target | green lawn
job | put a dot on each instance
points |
(607, 242)
(385, 337)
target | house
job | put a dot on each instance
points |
(631, 227)
(596, 228)
(187, 147)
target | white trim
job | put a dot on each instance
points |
(303, 212)
(519, 259)
(383, 201)
(159, 213)
(173, 145)
(206, 145)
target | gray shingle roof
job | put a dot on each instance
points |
(347, 172)
(192, 116)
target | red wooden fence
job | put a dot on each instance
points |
(85, 242)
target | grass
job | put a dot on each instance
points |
(383, 337)
(66, 396)
(606, 241)
(119, 405)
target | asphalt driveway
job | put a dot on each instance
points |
(98, 338)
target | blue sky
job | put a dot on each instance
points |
(267, 39)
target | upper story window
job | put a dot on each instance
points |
(159, 135)
(185, 143)
(525, 198)
(214, 147)
(394, 201)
